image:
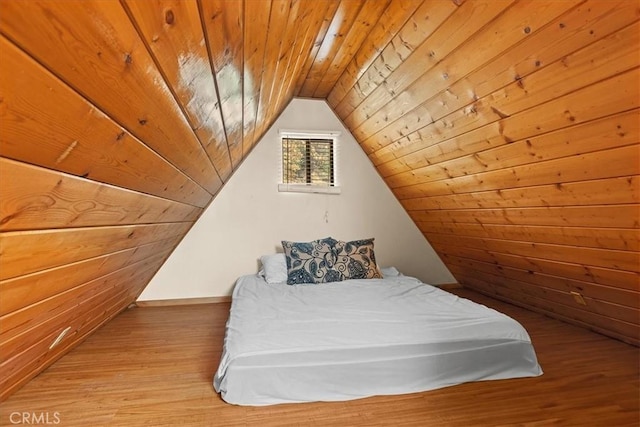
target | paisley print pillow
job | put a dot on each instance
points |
(311, 262)
(356, 260)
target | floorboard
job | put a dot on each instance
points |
(154, 366)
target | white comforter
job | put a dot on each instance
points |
(358, 338)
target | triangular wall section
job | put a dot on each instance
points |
(250, 217)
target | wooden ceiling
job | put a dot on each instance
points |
(507, 129)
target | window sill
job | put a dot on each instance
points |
(302, 188)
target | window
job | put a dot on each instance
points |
(308, 162)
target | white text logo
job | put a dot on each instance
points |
(35, 418)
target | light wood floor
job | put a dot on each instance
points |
(154, 366)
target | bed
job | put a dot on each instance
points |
(358, 338)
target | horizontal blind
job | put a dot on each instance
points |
(307, 161)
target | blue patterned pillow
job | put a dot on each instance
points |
(310, 262)
(356, 260)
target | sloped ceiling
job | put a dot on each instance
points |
(507, 129)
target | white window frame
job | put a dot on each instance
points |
(310, 188)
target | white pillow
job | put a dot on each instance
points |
(274, 268)
(390, 272)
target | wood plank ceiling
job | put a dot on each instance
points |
(507, 129)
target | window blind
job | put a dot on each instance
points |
(307, 161)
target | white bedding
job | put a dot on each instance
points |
(359, 338)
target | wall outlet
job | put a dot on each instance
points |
(578, 297)
(59, 338)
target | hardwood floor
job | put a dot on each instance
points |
(154, 366)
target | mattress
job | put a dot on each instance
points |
(360, 338)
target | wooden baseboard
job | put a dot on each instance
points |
(447, 286)
(183, 301)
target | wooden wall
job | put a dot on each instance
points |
(509, 132)
(507, 129)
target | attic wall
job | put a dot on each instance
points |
(250, 217)
(509, 132)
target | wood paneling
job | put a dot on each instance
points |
(610, 132)
(278, 19)
(256, 19)
(302, 25)
(341, 23)
(590, 166)
(21, 328)
(605, 258)
(617, 216)
(223, 23)
(99, 309)
(624, 239)
(391, 21)
(442, 76)
(513, 144)
(618, 321)
(174, 36)
(563, 36)
(355, 34)
(28, 289)
(293, 28)
(623, 190)
(295, 20)
(492, 129)
(26, 252)
(65, 132)
(95, 48)
(403, 45)
(321, 32)
(41, 198)
(577, 271)
(507, 129)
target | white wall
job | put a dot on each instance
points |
(249, 217)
